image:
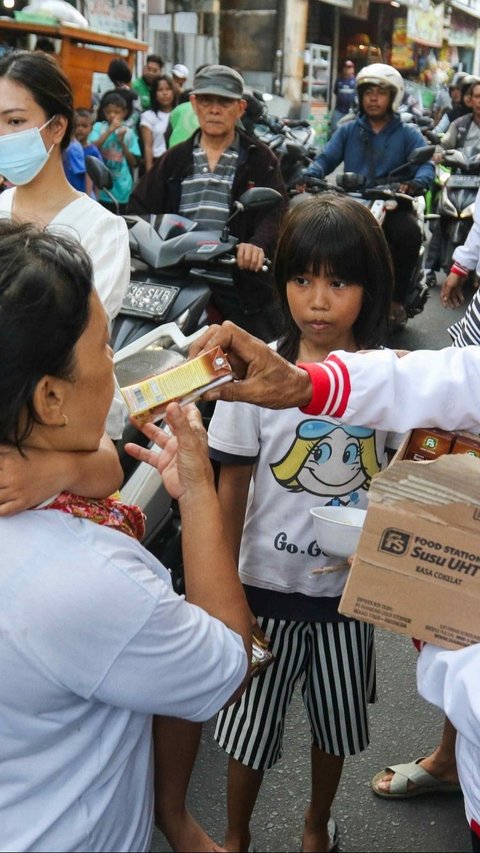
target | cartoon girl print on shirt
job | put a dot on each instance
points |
(331, 460)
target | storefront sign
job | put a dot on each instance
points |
(113, 16)
(425, 23)
(402, 47)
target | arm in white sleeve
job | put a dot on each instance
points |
(449, 680)
(468, 255)
(426, 388)
(108, 247)
(450, 138)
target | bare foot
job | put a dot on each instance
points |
(236, 843)
(316, 837)
(445, 770)
(185, 835)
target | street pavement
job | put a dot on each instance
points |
(403, 727)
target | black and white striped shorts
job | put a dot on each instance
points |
(334, 662)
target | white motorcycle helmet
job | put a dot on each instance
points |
(379, 74)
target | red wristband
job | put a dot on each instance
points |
(458, 270)
(330, 387)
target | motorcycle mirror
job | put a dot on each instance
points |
(98, 172)
(421, 155)
(416, 158)
(258, 198)
(350, 181)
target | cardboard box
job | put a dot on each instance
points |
(147, 400)
(417, 566)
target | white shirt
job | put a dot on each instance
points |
(303, 462)
(157, 123)
(104, 236)
(94, 641)
(450, 680)
(435, 388)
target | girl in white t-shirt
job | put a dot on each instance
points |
(334, 280)
(154, 122)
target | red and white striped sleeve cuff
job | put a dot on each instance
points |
(331, 387)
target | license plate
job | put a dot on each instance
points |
(151, 301)
(464, 181)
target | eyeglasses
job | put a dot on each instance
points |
(207, 100)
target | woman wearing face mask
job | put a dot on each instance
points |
(36, 121)
(36, 125)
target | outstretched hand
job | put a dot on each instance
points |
(267, 379)
(183, 459)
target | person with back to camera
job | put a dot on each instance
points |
(373, 144)
(94, 640)
(334, 279)
(201, 179)
(35, 127)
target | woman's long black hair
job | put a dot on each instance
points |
(45, 286)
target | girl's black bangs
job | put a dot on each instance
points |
(328, 249)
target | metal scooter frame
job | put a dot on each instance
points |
(144, 487)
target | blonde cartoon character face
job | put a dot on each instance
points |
(328, 459)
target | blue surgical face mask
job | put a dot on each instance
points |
(23, 154)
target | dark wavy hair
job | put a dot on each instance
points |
(153, 92)
(50, 89)
(336, 235)
(45, 285)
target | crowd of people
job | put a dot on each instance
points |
(107, 674)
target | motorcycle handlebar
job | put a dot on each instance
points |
(230, 260)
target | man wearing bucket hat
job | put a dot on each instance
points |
(201, 179)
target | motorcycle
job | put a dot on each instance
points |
(159, 349)
(382, 198)
(175, 263)
(291, 140)
(456, 199)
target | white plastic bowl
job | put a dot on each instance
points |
(338, 528)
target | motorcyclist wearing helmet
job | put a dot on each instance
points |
(464, 131)
(373, 144)
(458, 107)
